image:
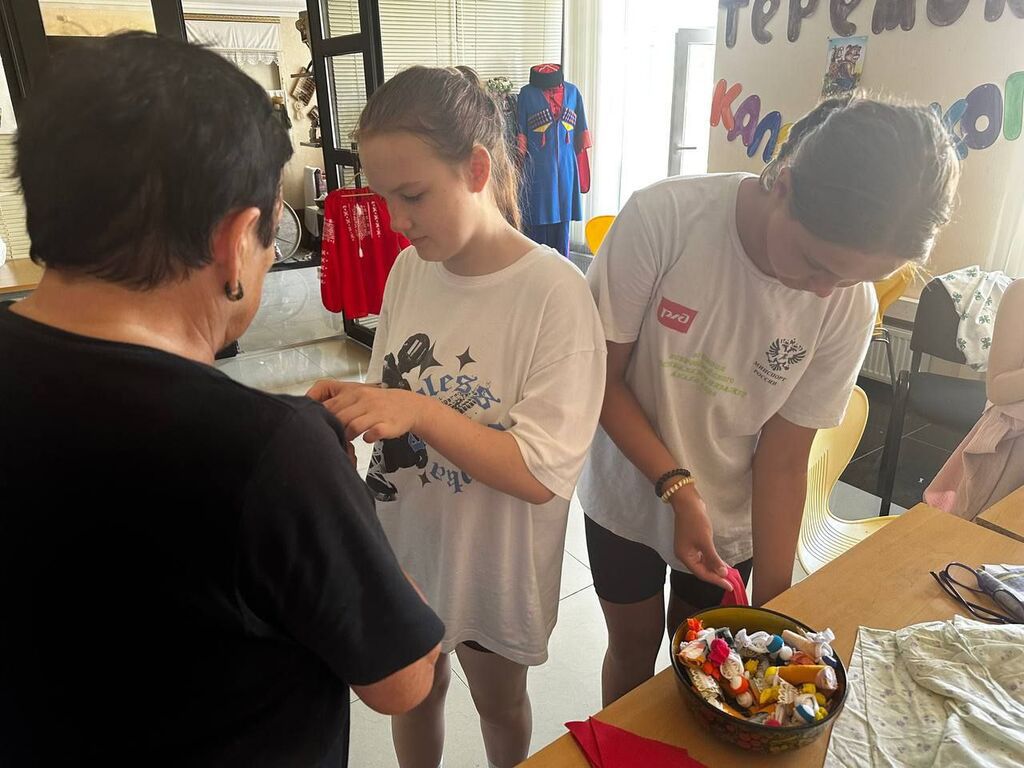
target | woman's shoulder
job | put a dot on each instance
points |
(405, 261)
(549, 270)
(676, 204)
(562, 295)
(263, 414)
(699, 187)
(853, 303)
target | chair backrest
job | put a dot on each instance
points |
(596, 229)
(891, 288)
(831, 453)
(935, 326)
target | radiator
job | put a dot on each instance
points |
(876, 368)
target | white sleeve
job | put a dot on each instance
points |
(625, 273)
(555, 419)
(819, 399)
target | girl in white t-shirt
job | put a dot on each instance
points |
(491, 361)
(737, 312)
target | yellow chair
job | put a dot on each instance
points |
(823, 536)
(891, 288)
(888, 291)
(596, 230)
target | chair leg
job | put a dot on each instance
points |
(893, 437)
(890, 360)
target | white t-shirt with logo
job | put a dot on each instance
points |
(720, 348)
(519, 350)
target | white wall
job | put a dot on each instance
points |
(925, 64)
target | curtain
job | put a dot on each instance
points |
(241, 42)
(1007, 250)
(629, 50)
(582, 68)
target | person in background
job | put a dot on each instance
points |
(191, 571)
(988, 465)
(737, 311)
(491, 362)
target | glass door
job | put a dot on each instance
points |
(691, 102)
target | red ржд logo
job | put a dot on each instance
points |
(675, 316)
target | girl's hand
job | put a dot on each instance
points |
(694, 542)
(371, 411)
(324, 390)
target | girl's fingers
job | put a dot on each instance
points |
(699, 568)
(323, 390)
(351, 394)
(359, 426)
(380, 431)
(715, 564)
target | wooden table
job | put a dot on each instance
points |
(19, 276)
(1006, 516)
(882, 582)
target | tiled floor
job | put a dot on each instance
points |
(923, 450)
(278, 356)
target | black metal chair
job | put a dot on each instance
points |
(947, 400)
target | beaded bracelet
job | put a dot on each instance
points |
(681, 483)
(659, 486)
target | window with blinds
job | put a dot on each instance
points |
(349, 88)
(12, 204)
(494, 37)
(499, 38)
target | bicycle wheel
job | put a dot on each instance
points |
(288, 236)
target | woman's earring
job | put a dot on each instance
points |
(234, 294)
(768, 174)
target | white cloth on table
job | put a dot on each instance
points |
(947, 693)
(976, 295)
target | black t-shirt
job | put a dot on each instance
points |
(191, 571)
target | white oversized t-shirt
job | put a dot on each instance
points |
(520, 350)
(720, 348)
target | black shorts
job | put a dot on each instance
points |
(626, 572)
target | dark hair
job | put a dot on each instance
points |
(448, 108)
(135, 148)
(871, 174)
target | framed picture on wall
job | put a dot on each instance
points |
(844, 65)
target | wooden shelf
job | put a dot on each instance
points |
(19, 275)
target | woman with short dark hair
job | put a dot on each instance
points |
(192, 572)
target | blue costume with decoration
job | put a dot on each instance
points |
(552, 135)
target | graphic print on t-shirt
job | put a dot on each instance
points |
(708, 375)
(461, 392)
(782, 355)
